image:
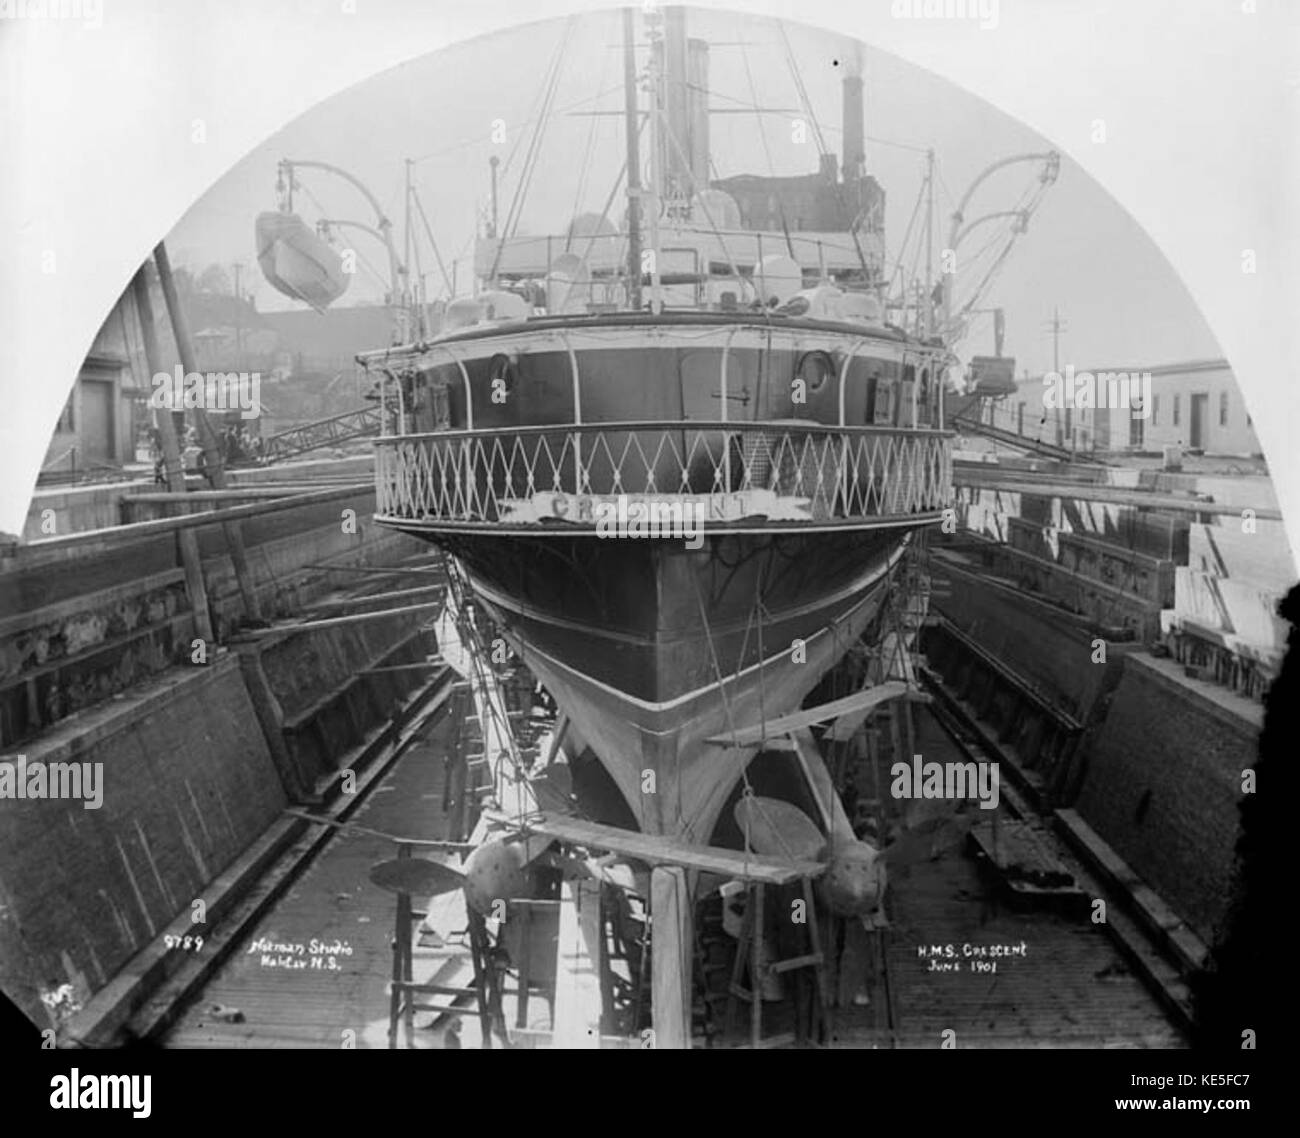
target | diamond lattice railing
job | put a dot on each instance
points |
(821, 473)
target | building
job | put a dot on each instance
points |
(1195, 404)
(106, 413)
(1199, 406)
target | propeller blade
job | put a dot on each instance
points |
(417, 876)
(554, 789)
(778, 828)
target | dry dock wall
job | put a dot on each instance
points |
(1161, 755)
(1163, 782)
(187, 783)
(1050, 651)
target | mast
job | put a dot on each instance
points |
(927, 324)
(633, 163)
(657, 167)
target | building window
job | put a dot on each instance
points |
(1176, 401)
(1223, 408)
(1155, 409)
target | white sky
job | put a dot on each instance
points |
(1122, 302)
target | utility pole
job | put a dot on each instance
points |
(1056, 326)
(239, 320)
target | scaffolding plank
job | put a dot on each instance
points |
(859, 703)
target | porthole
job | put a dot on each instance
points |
(815, 368)
(501, 374)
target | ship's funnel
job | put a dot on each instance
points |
(855, 155)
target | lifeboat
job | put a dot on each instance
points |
(297, 262)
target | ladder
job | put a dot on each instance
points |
(749, 952)
(407, 996)
(508, 766)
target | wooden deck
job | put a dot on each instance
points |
(1070, 988)
(289, 1001)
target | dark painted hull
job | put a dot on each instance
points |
(652, 649)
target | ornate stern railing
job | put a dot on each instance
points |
(733, 475)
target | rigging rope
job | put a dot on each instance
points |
(585, 168)
(821, 144)
(731, 722)
(767, 151)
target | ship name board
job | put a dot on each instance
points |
(555, 505)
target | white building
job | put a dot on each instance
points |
(1195, 404)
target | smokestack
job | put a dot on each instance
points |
(676, 158)
(697, 102)
(855, 155)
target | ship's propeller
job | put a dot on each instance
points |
(417, 876)
(855, 878)
(496, 871)
(778, 828)
(854, 881)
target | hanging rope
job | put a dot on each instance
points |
(731, 723)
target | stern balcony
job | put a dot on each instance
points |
(729, 477)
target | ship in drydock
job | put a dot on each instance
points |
(735, 393)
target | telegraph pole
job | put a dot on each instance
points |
(1056, 326)
(239, 321)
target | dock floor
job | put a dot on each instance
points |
(1069, 988)
(333, 902)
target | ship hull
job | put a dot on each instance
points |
(657, 652)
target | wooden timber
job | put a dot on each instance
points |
(659, 849)
(859, 703)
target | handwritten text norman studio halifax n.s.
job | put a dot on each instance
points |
(295, 955)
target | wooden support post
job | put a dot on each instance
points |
(270, 717)
(671, 958)
(756, 966)
(187, 540)
(234, 532)
(577, 985)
